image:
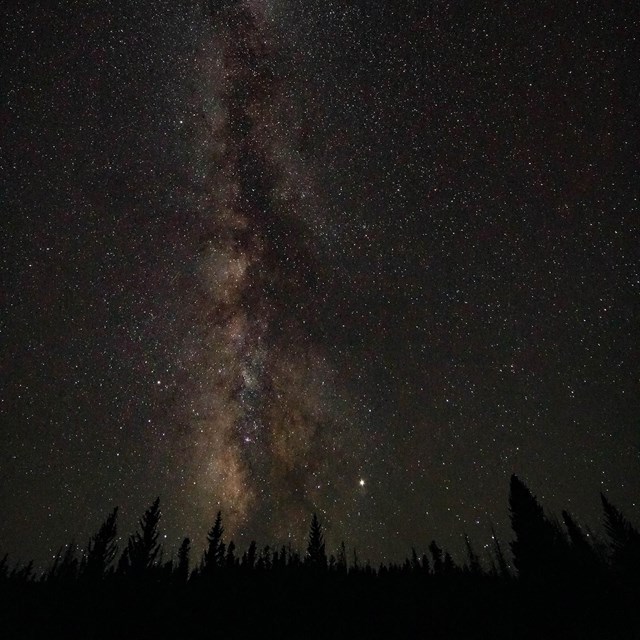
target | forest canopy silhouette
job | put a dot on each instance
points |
(555, 578)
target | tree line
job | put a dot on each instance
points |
(558, 577)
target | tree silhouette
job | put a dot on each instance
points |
(537, 546)
(213, 557)
(436, 556)
(624, 540)
(182, 570)
(230, 560)
(249, 556)
(498, 554)
(582, 558)
(473, 561)
(4, 567)
(341, 559)
(563, 579)
(65, 566)
(316, 556)
(448, 565)
(102, 549)
(415, 561)
(143, 547)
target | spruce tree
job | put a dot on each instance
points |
(624, 540)
(473, 561)
(498, 553)
(537, 548)
(143, 548)
(101, 550)
(436, 556)
(182, 570)
(316, 556)
(65, 566)
(213, 557)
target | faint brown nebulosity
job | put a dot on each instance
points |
(268, 424)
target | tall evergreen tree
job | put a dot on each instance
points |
(473, 561)
(213, 557)
(230, 559)
(341, 559)
(65, 566)
(102, 549)
(415, 561)
(143, 549)
(498, 554)
(448, 565)
(425, 568)
(537, 548)
(316, 556)
(249, 556)
(436, 556)
(182, 570)
(4, 567)
(624, 540)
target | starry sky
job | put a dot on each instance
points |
(274, 257)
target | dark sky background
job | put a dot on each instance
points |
(445, 291)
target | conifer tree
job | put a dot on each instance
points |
(425, 568)
(473, 561)
(448, 565)
(143, 548)
(341, 559)
(498, 553)
(230, 559)
(65, 566)
(182, 570)
(436, 556)
(624, 540)
(4, 567)
(415, 562)
(537, 547)
(213, 557)
(316, 556)
(102, 549)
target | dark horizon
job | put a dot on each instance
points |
(598, 536)
(563, 583)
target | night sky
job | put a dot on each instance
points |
(362, 258)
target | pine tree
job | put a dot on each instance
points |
(415, 562)
(101, 550)
(624, 540)
(143, 548)
(248, 562)
(355, 567)
(537, 548)
(473, 561)
(341, 559)
(65, 566)
(582, 558)
(316, 556)
(230, 560)
(4, 567)
(436, 556)
(213, 558)
(498, 553)
(425, 568)
(182, 570)
(448, 565)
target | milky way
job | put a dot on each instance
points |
(272, 439)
